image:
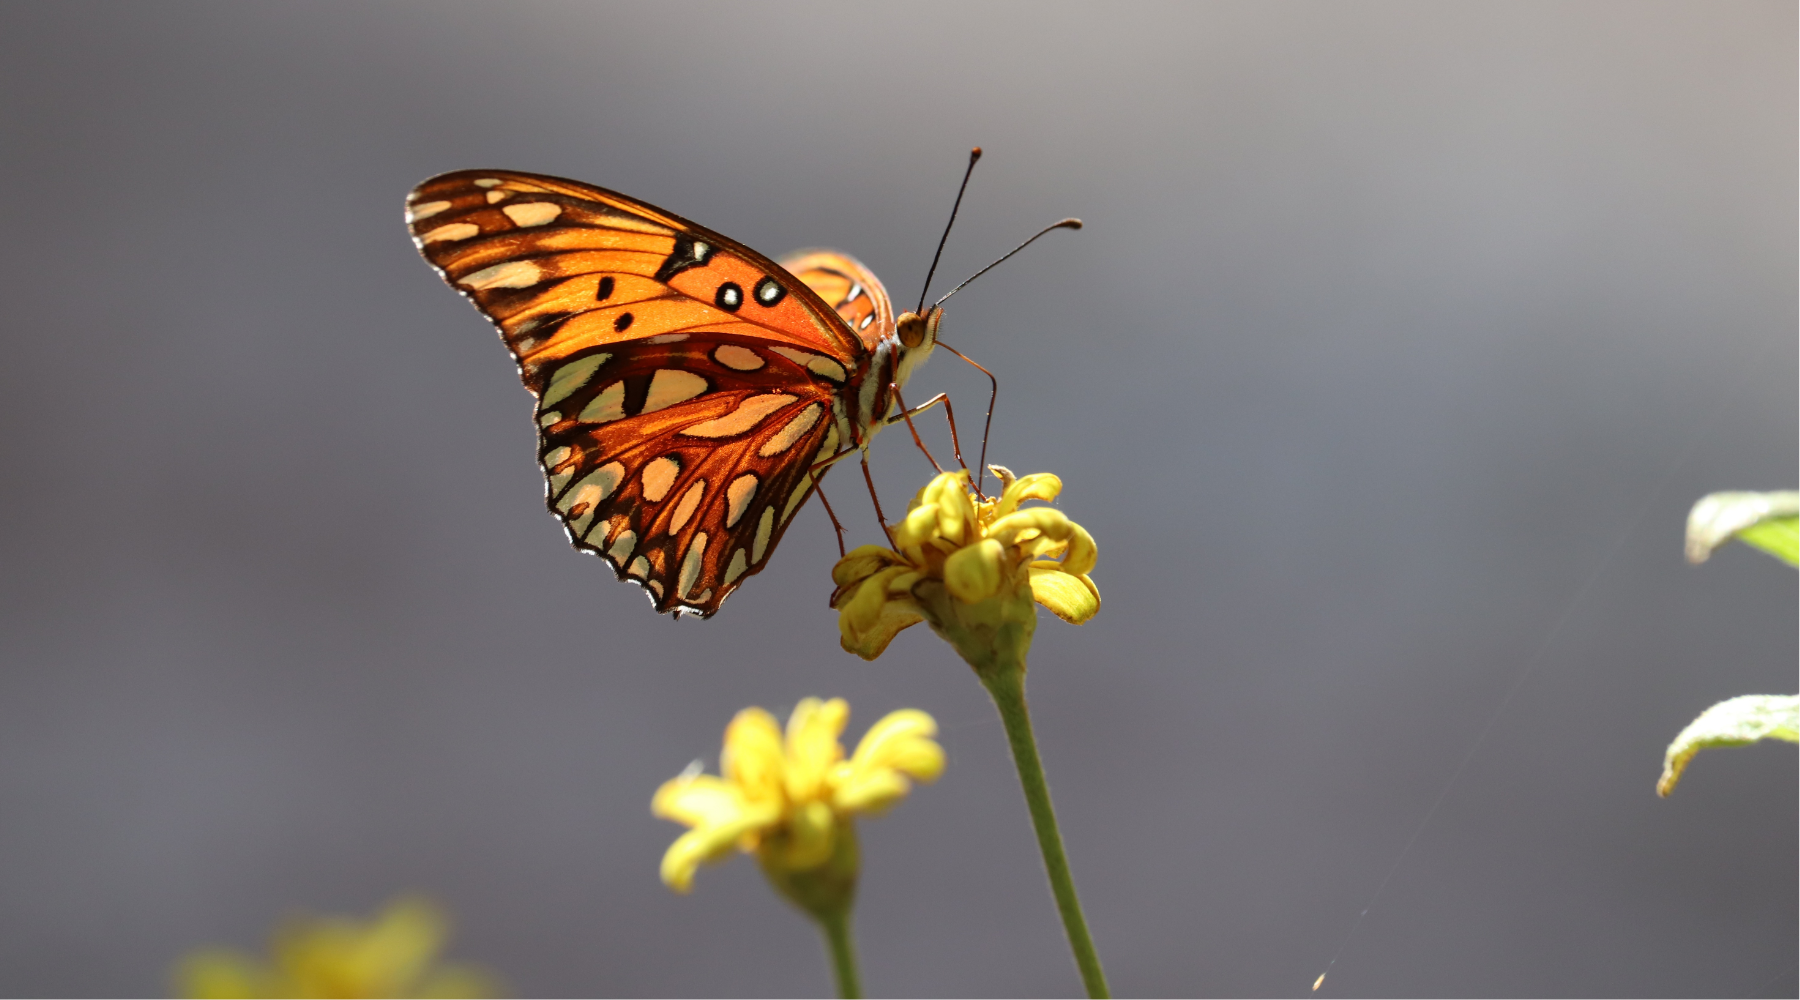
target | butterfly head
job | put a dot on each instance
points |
(917, 335)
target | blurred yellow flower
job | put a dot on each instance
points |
(790, 798)
(971, 568)
(393, 955)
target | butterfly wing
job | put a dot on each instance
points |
(686, 384)
(849, 288)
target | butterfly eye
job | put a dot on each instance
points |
(911, 328)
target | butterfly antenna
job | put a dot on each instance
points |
(1064, 224)
(974, 154)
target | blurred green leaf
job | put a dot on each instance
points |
(1734, 722)
(1778, 536)
(1767, 521)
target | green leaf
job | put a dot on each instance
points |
(1778, 536)
(1734, 722)
(1767, 521)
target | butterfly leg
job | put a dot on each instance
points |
(993, 396)
(955, 439)
(886, 532)
(820, 490)
(906, 415)
(817, 473)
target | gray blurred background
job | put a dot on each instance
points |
(1399, 342)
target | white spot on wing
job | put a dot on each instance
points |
(690, 565)
(497, 196)
(670, 386)
(738, 496)
(622, 546)
(572, 376)
(425, 210)
(690, 502)
(794, 498)
(558, 468)
(741, 358)
(453, 231)
(593, 488)
(816, 363)
(512, 274)
(748, 414)
(549, 418)
(667, 338)
(531, 213)
(764, 528)
(488, 182)
(736, 568)
(794, 430)
(609, 405)
(658, 477)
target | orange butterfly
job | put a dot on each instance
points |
(690, 391)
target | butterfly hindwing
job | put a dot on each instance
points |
(686, 384)
(683, 463)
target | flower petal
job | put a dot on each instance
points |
(956, 511)
(863, 562)
(865, 606)
(812, 745)
(400, 945)
(974, 573)
(1054, 528)
(698, 800)
(902, 740)
(868, 638)
(1072, 597)
(752, 759)
(872, 792)
(1037, 486)
(219, 972)
(871, 643)
(706, 843)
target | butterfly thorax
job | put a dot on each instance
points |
(896, 356)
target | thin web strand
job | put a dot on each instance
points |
(1531, 665)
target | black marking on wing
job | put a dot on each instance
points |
(689, 252)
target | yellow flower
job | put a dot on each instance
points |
(971, 568)
(393, 955)
(790, 798)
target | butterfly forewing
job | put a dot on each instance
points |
(687, 385)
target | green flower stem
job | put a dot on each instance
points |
(1006, 683)
(826, 892)
(842, 946)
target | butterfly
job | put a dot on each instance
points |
(690, 392)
